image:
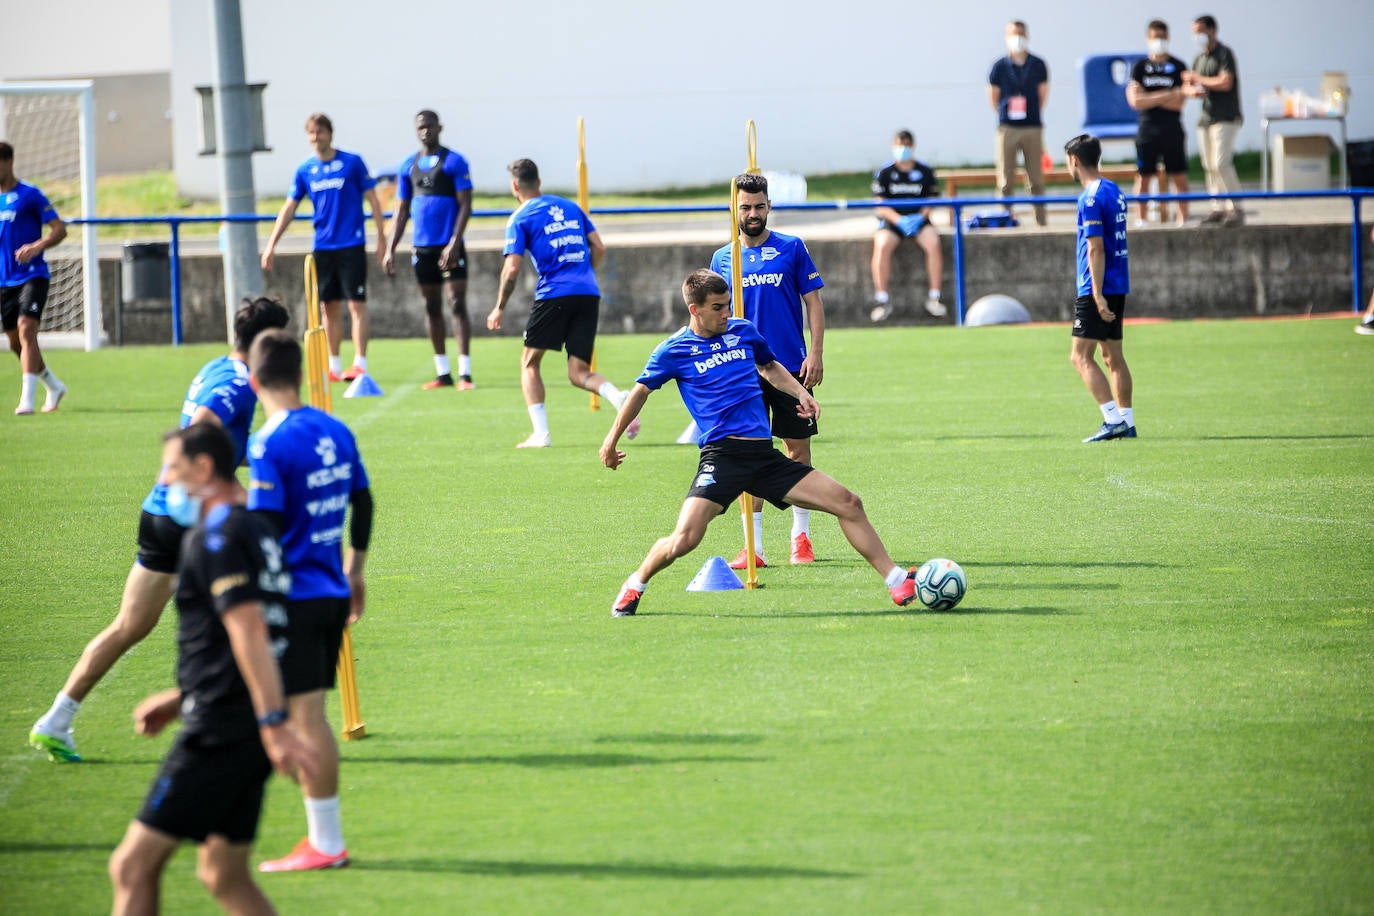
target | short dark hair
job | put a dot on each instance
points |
(751, 183)
(426, 113)
(255, 316)
(6, 151)
(319, 119)
(701, 283)
(206, 438)
(1019, 24)
(1157, 25)
(1207, 22)
(1086, 148)
(905, 136)
(525, 173)
(275, 360)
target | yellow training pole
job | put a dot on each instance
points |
(584, 201)
(746, 502)
(317, 385)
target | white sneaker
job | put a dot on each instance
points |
(881, 312)
(935, 308)
(54, 398)
(536, 440)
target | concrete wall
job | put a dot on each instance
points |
(1254, 270)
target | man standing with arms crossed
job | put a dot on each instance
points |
(305, 472)
(24, 277)
(565, 248)
(438, 181)
(1018, 88)
(1215, 79)
(780, 282)
(1103, 282)
(336, 183)
(1156, 91)
(219, 394)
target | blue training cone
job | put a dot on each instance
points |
(364, 387)
(715, 576)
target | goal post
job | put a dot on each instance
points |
(51, 125)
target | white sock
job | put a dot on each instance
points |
(464, 364)
(896, 577)
(758, 534)
(1127, 414)
(59, 716)
(441, 364)
(540, 419)
(360, 362)
(611, 393)
(634, 584)
(1110, 414)
(50, 381)
(934, 294)
(881, 297)
(336, 365)
(801, 521)
(324, 825)
(28, 386)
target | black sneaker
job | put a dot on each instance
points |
(1130, 433)
(465, 383)
(1365, 327)
(626, 603)
(1110, 431)
(442, 381)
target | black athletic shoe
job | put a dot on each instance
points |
(1130, 433)
(1109, 431)
(442, 381)
(626, 603)
(1365, 327)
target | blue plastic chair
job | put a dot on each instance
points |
(1102, 83)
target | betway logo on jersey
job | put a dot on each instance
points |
(761, 280)
(720, 359)
(326, 184)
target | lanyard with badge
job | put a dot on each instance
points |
(1016, 104)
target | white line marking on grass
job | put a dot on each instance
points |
(13, 769)
(1120, 481)
(383, 404)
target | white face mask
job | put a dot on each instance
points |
(903, 154)
(1202, 40)
(1017, 44)
(182, 507)
(1158, 46)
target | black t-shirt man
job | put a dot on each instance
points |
(901, 188)
(1153, 76)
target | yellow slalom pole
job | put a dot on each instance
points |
(751, 146)
(317, 385)
(584, 201)
(746, 501)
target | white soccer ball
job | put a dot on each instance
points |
(940, 584)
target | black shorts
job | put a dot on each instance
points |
(205, 789)
(729, 467)
(564, 321)
(159, 543)
(1087, 323)
(1169, 148)
(425, 260)
(27, 299)
(782, 410)
(314, 631)
(341, 273)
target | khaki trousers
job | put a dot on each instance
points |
(1217, 149)
(1031, 145)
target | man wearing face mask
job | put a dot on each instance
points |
(901, 183)
(219, 394)
(1215, 79)
(1018, 88)
(1156, 91)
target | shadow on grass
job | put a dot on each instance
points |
(557, 761)
(912, 611)
(1065, 564)
(669, 872)
(663, 738)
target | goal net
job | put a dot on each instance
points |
(51, 126)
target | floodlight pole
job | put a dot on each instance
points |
(233, 128)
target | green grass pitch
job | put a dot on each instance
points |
(1155, 698)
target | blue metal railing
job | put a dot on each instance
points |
(957, 205)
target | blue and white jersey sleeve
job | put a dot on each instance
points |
(515, 233)
(266, 490)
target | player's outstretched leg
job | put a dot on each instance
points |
(696, 514)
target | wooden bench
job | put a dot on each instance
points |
(951, 180)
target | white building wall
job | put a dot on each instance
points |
(57, 40)
(666, 88)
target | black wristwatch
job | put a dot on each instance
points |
(274, 717)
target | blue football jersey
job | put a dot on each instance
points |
(718, 379)
(1102, 212)
(24, 211)
(553, 232)
(336, 189)
(433, 206)
(221, 385)
(305, 465)
(775, 275)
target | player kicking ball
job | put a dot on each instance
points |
(716, 361)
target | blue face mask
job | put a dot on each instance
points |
(182, 507)
(903, 154)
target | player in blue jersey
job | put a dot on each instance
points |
(235, 728)
(219, 394)
(899, 186)
(1103, 282)
(305, 473)
(780, 282)
(24, 277)
(565, 248)
(717, 362)
(336, 182)
(434, 184)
